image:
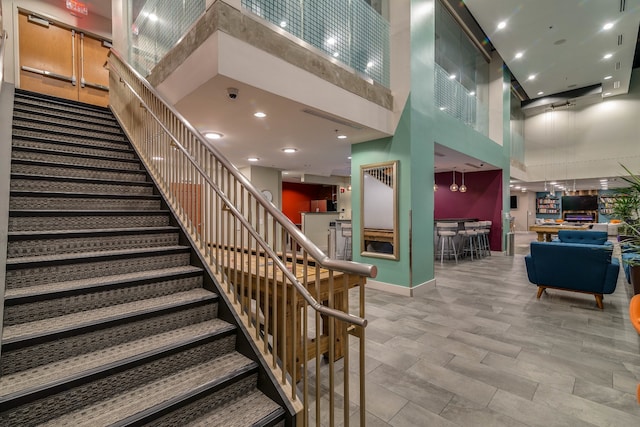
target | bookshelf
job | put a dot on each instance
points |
(548, 205)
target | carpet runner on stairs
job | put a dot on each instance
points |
(106, 320)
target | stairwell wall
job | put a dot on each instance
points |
(6, 117)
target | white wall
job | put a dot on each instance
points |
(585, 141)
(52, 9)
(496, 106)
(525, 214)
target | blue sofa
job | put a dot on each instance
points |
(574, 267)
(585, 237)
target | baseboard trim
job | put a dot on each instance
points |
(401, 290)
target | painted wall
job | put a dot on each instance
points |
(585, 141)
(296, 198)
(483, 200)
(525, 213)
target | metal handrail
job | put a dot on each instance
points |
(254, 251)
(363, 269)
(349, 318)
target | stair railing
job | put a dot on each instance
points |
(294, 300)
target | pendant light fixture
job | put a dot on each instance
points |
(435, 187)
(463, 188)
(454, 186)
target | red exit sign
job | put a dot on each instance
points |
(76, 6)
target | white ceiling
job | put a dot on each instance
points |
(562, 41)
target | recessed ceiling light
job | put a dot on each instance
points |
(501, 25)
(607, 77)
(532, 76)
(289, 150)
(608, 55)
(253, 159)
(342, 136)
(607, 94)
(213, 135)
(519, 55)
(285, 173)
(604, 180)
(517, 187)
(541, 93)
(553, 183)
(260, 114)
(283, 24)
(607, 26)
(510, 185)
(349, 157)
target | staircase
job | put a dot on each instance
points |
(109, 318)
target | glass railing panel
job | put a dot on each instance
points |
(350, 32)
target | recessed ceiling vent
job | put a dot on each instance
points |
(623, 5)
(472, 165)
(331, 118)
(617, 67)
(616, 84)
(619, 39)
(438, 154)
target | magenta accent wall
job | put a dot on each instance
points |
(483, 200)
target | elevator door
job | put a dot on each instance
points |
(63, 62)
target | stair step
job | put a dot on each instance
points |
(103, 282)
(229, 375)
(28, 134)
(20, 182)
(111, 395)
(37, 244)
(30, 347)
(54, 104)
(42, 118)
(50, 304)
(35, 167)
(77, 159)
(30, 271)
(78, 147)
(251, 409)
(43, 220)
(51, 200)
(48, 376)
(23, 127)
(31, 110)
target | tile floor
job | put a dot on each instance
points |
(478, 349)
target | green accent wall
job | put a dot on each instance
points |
(422, 124)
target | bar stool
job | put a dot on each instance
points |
(470, 239)
(483, 237)
(446, 233)
(346, 234)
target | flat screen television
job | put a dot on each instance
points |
(580, 203)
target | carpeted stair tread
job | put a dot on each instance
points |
(43, 168)
(79, 148)
(247, 410)
(51, 200)
(57, 371)
(44, 220)
(63, 133)
(55, 108)
(28, 111)
(87, 318)
(51, 101)
(102, 281)
(59, 243)
(47, 155)
(88, 256)
(43, 119)
(82, 233)
(157, 392)
(75, 179)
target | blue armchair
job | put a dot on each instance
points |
(574, 267)
(585, 237)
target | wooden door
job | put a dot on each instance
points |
(63, 62)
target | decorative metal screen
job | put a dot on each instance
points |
(156, 28)
(350, 31)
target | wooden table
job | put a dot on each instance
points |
(546, 231)
(248, 271)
